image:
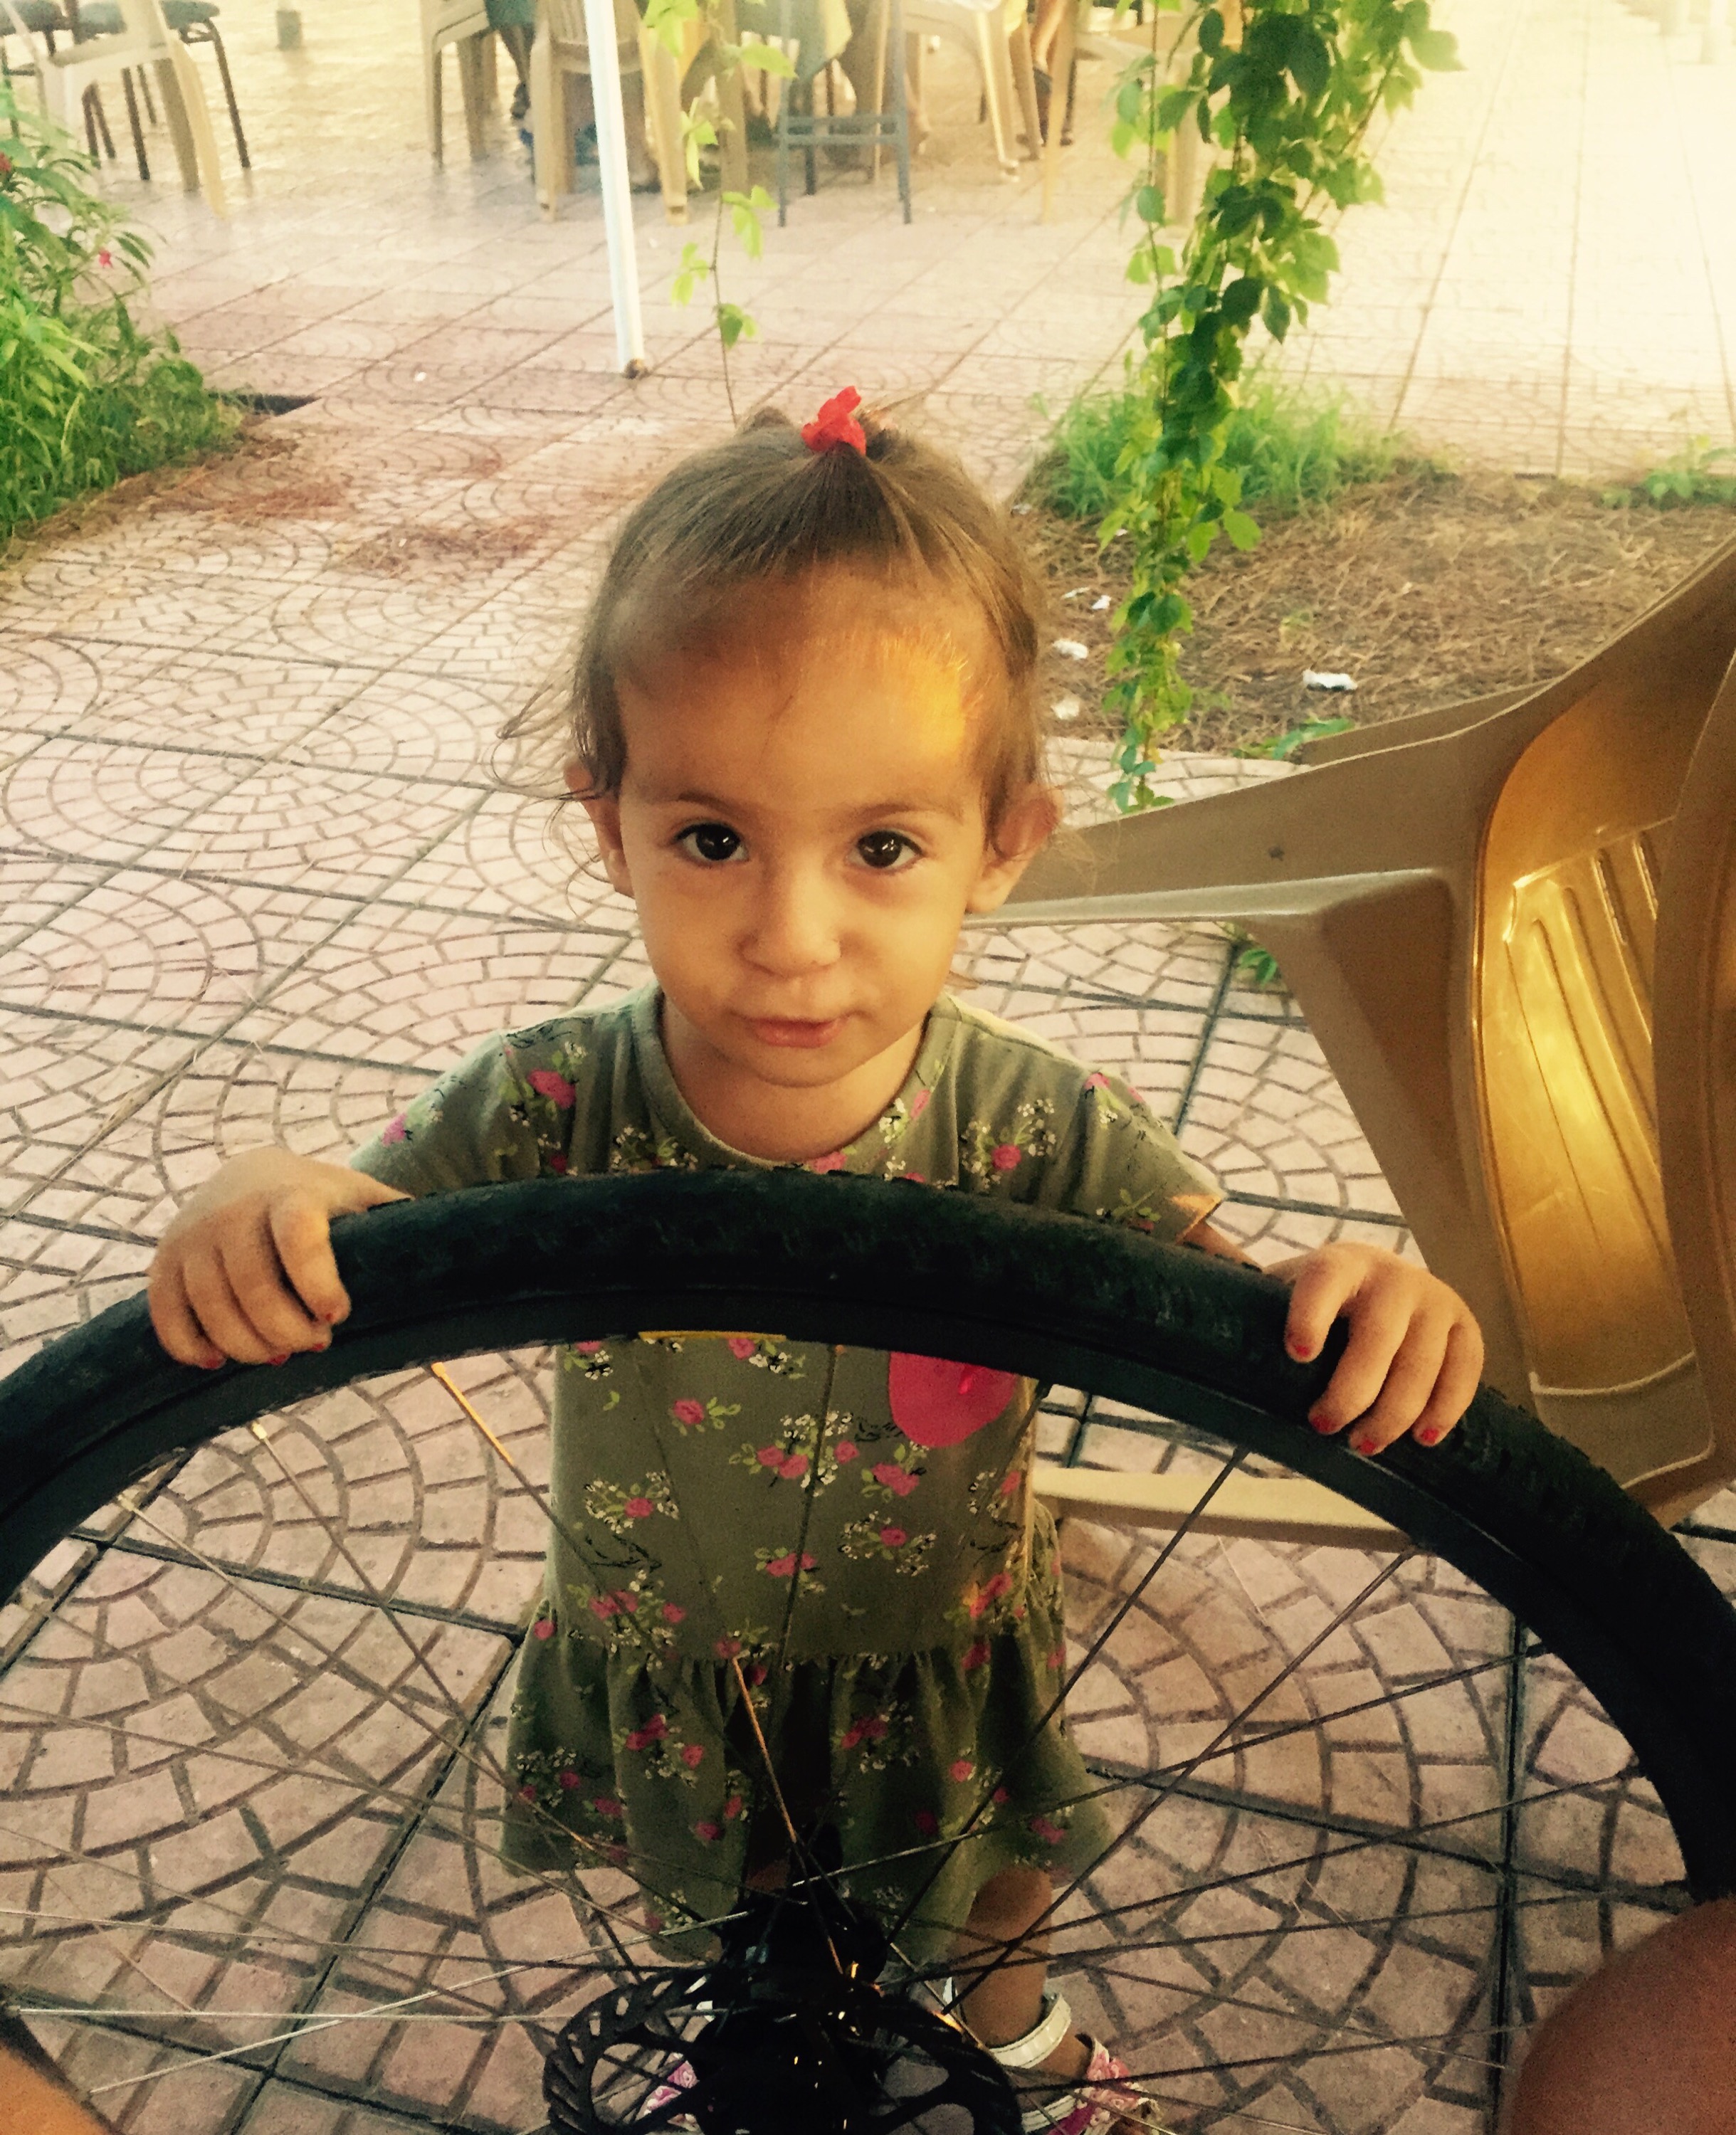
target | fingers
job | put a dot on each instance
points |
(1414, 1356)
(301, 1238)
(177, 1324)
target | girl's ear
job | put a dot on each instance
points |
(1025, 827)
(604, 810)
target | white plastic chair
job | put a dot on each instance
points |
(562, 50)
(67, 74)
(995, 34)
(464, 24)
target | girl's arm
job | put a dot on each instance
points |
(1415, 1354)
(245, 1270)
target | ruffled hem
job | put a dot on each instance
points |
(654, 1768)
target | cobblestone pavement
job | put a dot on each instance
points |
(260, 884)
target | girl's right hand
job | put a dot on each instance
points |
(245, 1271)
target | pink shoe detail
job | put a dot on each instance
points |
(1104, 2097)
(681, 2078)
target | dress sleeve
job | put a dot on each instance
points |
(473, 1127)
(1114, 1158)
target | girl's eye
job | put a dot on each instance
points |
(711, 842)
(884, 851)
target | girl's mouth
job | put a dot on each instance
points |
(781, 1030)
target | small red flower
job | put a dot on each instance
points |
(569, 1780)
(975, 1655)
(794, 1468)
(770, 1457)
(1096, 1080)
(688, 1410)
(604, 1606)
(395, 1131)
(105, 258)
(1001, 1797)
(834, 1162)
(587, 1349)
(654, 1729)
(708, 1831)
(895, 1538)
(606, 1805)
(546, 1083)
(919, 1103)
(1006, 1158)
(6, 166)
(732, 1808)
(926, 1821)
(836, 424)
(742, 1347)
(1058, 1660)
(1044, 1829)
(543, 1628)
(555, 1160)
(844, 1450)
(527, 1792)
(1011, 1482)
(961, 1769)
(784, 1567)
(900, 1481)
(673, 1612)
(726, 1649)
(693, 1756)
(638, 1508)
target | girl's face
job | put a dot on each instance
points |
(804, 833)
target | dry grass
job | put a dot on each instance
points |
(1427, 590)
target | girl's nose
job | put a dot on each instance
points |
(793, 929)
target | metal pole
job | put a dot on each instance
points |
(623, 269)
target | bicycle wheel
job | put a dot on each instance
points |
(1188, 1347)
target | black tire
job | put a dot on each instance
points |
(1060, 1298)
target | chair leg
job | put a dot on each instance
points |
(144, 90)
(1060, 70)
(138, 142)
(229, 94)
(733, 149)
(550, 153)
(1025, 85)
(95, 112)
(431, 86)
(660, 73)
(196, 147)
(470, 81)
(991, 57)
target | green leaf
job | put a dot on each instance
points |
(1276, 312)
(1436, 49)
(1148, 204)
(1243, 531)
(1241, 299)
(1210, 31)
(767, 59)
(1311, 63)
(735, 325)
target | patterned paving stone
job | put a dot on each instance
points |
(64, 1083)
(412, 726)
(1269, 1119)
(420, 988)
(132, 1172)
(1098, 962)
(512, 856)
(228, 702)
(89, 800)
(311, 828)
(33, 886)
(156, 950)
(47, 683)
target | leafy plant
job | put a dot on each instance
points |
(667, 20)
(1292, 449)
(1285, 91)
(86, 396)
(1282, 747)
(1689, 478)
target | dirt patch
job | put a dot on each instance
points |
(1427, 590)
(427, 551)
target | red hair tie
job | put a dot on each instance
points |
(836, 424)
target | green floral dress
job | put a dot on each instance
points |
(730, 1495)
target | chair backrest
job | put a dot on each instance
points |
(565, 20)
(1473, 909)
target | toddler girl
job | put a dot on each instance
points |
(805, 728)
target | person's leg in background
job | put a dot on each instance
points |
(35, 2097)
(1645, 2046)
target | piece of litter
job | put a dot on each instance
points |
(417, 377)
(1020, 510)
(1340, 684)
(1066, 708)
(1076, 592)
(1100, 603)
(1069, 648)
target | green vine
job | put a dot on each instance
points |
(1282, 93)
(667, 21)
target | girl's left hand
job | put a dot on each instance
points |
(1415, 1354)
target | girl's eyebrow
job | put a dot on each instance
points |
(870, 811)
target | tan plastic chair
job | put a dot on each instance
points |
(560, 52)
(463, 24)
(67, 74)
(1484, 913)
(666, 73)
(998, 39)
